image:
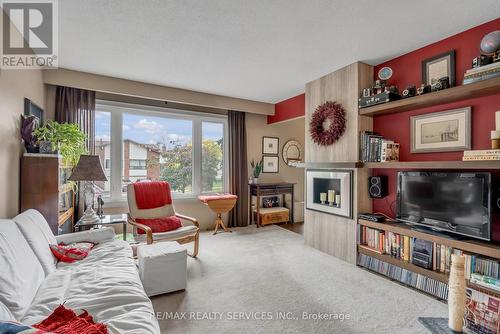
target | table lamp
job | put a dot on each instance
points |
(88, 169)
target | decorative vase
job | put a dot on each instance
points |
(46, 147)
(255, 180)
(32, 149)
(456, 296)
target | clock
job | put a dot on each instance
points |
(292, 152)
(385, 73)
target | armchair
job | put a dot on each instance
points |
(162, 207)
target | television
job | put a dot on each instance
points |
(458, 203)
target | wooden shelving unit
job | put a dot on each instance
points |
(458, 93)
(488, 249)
(406, 265)
(435, 165)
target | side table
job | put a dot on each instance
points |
(104, 220)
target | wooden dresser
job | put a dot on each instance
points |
(44, 187)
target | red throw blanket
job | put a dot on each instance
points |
(65, 321)
(150, 195)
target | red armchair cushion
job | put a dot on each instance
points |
(158, 225)
(150, 195)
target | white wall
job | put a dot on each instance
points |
(15, 85)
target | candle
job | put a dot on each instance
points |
(497, 120)
(331, 196)
(322, 198)
(337, 200)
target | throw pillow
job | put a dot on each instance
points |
(158, 225)
(71, 253)
(65, 321)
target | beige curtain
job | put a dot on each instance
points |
(238, 175)
(77, 106)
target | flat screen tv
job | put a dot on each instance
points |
(459, 203)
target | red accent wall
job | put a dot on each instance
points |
(291, 108)
(407, 71)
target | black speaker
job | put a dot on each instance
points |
(377, 186)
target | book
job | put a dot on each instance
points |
(481, 158)
(481, 153)
(483, 68)
(485, 281)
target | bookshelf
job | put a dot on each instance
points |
(487, 249)
(457, 93)
(484, 249)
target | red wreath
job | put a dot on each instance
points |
(333, 113)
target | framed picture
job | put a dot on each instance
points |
(270, 145)
(270, 164)
(442, 65)
(441, 131)
(32, 109)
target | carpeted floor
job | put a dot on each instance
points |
(262, 280)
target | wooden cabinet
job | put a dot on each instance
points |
(45, 187)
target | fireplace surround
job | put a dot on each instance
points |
(330, 191)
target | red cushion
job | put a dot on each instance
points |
(71, 253)
(160, 224)
(64, 320)
(150, 195)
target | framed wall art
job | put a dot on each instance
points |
(270, 164)
(437, 67)
(443, 131)
(270, 145)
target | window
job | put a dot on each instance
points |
(184, 148)
(103, 149)
(137, 164)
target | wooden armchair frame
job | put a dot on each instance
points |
(194, 237)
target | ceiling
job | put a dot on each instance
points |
(263, 50)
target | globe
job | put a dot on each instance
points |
(490, 42)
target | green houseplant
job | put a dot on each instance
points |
(66, 138)
(257, 169)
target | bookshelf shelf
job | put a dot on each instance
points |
(458, 93)
(479, 247)
(434, 165)
(406, 265)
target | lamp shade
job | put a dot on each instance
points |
(89, 168)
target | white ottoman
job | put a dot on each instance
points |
(162, 267)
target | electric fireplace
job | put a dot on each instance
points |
(330, 191)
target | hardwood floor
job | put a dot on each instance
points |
(296, 227)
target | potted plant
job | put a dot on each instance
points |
(66, 138)
(257, 169)
(28, 125)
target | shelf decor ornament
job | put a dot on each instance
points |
(327, 123)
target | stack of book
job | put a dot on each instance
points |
(482, 73)
(485, 281)
(376, 148)
(481, 155)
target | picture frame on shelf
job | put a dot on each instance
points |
(270, 145)
(444, 131)
(442, 65)
(31, 109)
(270, 164)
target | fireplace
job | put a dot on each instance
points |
(330, 191)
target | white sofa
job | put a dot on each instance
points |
(106, 283)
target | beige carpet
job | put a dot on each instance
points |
(242, 280)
